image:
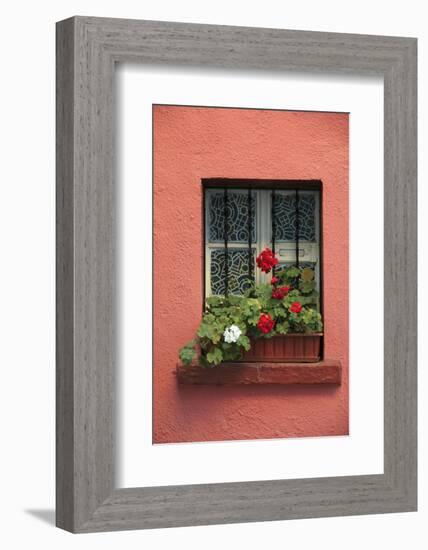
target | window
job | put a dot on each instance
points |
(241, 222)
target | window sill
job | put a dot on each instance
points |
(328, 371)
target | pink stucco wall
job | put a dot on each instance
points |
(191, 143)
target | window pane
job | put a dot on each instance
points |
(237, 216)
(238, 271)
(285, 216)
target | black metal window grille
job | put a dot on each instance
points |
(250, 244)
(273, 232)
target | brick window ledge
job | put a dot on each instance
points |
(328, 371)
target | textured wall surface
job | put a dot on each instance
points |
(191, 143)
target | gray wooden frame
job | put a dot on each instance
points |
(87, 50)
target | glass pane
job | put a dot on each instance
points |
(238, 271)
(237, 216)
(285, 216)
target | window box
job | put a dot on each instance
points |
(326, 372)
(277, 322)
(304, 348)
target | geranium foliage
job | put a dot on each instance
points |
(288, 304)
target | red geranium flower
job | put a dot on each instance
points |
(274, 280)
(296, 307)
(279, 293)
(266, 323)
(266, 260)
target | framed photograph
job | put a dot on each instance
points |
(236, 274)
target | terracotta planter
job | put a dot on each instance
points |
(304, 348)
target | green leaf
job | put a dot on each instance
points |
(187, 353)
(292, 272)
(307, 274)
(205, 330)
(244, 342)
(231, 352)
(282, 328)
(293, 293)
(307, 287)
(215, 356)
(216, 337)
(214, 301)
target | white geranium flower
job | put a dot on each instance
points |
(231, 334)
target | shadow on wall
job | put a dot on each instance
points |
(47, 515)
